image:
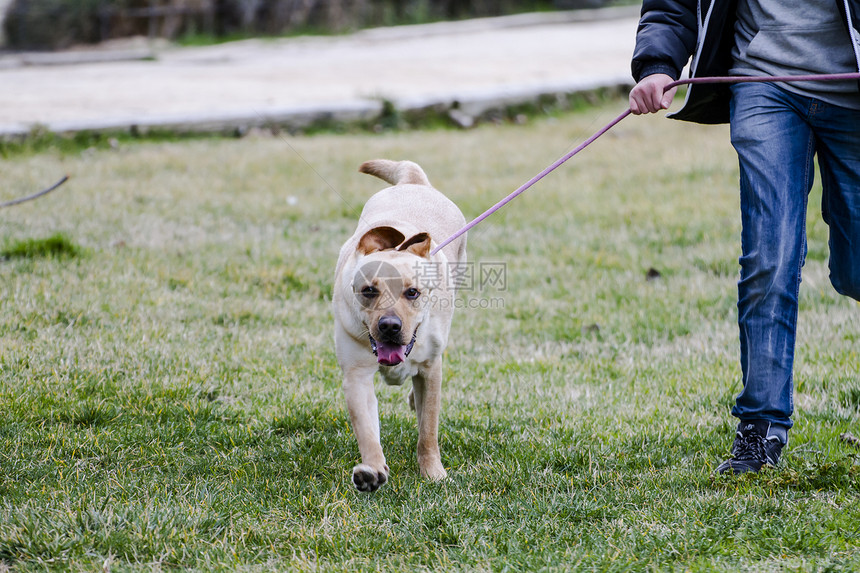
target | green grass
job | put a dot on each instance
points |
(41, 140)
(171, 399)
(57, 245)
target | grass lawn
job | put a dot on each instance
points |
(170, 397)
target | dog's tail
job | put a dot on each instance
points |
(395, 172)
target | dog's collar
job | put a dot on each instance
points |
(408, 346)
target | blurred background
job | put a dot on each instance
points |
(60, 24)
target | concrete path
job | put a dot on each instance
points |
(476, 63)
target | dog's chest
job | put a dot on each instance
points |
(397, 375)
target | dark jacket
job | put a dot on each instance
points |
(669, 34)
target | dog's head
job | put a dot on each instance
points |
(391, 286)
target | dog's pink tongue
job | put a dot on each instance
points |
(389, 354)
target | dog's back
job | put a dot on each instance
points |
(413, 202)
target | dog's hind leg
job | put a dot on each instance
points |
(427, 396)
(361, 402)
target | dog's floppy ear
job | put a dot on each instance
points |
(417, 245)
(379, 239)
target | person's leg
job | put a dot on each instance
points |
(775, 147)
(837, 133)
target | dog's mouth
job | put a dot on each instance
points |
(390, 354)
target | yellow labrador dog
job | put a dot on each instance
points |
(393, 305)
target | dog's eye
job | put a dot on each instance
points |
(412, 293)
(370, 292)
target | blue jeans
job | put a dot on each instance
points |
(776, 134)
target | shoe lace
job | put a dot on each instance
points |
(750, 446)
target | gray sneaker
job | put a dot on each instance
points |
(756, 445)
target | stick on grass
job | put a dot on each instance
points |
(36, 195)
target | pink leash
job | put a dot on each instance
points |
(611, 124)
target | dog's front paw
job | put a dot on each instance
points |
(365, 478)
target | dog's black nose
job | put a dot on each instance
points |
(389, 325)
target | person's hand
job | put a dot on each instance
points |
(647, 96)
